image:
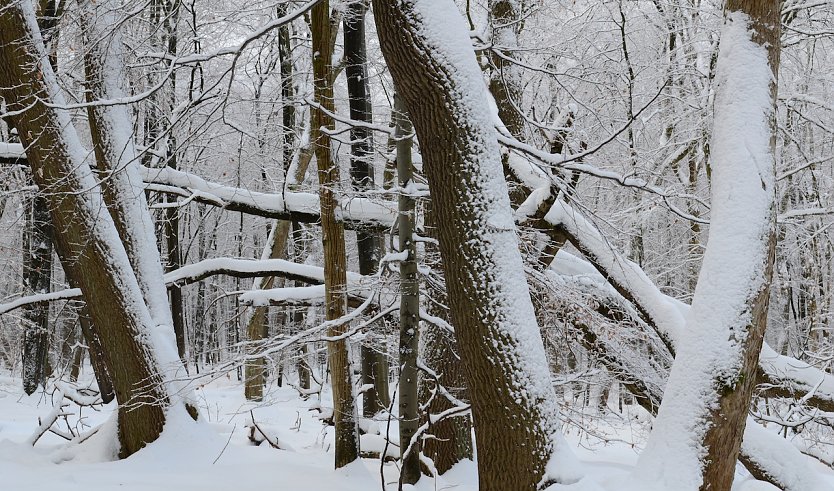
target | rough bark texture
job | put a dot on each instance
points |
(452, 437)
(83, 236)
(512, 432)
(409, 304)
(333, 242)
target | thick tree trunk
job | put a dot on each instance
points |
(333, 241)
(451, 439)
(514, 409)
(715, 368)
(86, 237)
(117, 159)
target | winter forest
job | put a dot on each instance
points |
(496, 245)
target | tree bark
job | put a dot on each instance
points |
(513, 404)
(452, 437)
(333, 241)
(409, 303)
(37, 245)
(37, 276)
(715, 367)
(374, 362)
(86, 237)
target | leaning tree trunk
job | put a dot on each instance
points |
(451, 437)
(86, 237)
(708, 394)
(427, 48)
(333, 241)
(117, 159)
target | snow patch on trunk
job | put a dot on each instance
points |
(733, 271)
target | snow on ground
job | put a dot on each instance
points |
(217, 455)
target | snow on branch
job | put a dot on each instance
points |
(783, 376)
(238, 49)
(767, 456)
(192, 273)
(354, 212)
(12, 151)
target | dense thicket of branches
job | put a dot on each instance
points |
(258, 140)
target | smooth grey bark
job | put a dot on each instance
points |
(409, 303)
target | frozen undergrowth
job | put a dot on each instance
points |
(217, 455)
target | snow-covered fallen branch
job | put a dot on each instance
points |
(354, 212)
(782, 374)
(192, 273)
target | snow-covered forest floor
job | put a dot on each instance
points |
(218, 454)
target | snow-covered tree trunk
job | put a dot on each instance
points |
(451, 439)
(333, 241)
(111, 129)
(698, 431)
(87, 239)
(427, 48)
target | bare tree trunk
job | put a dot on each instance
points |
(715, 368)
(333, 240)
(37, 276)
(37, 246)
(374, 363)
(86, 237)
(96, 354)
(452, 437)
(513, 404)
(172, 214)
(409, 303)
(505, 23)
